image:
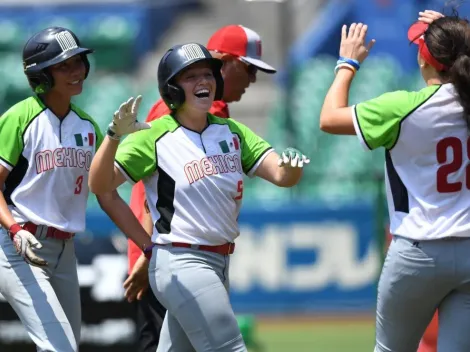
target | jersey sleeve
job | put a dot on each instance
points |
(377, 121)
(253, 148)
(136, 155)
(11, 146)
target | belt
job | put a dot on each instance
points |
(223, 249)
(51, 232)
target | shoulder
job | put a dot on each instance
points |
(23, 112)
(399, 102)
(161, 126)
(81, 114)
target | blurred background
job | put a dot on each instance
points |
(304, 275)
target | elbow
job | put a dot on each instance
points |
(96, 187)
(290, 181)
(325, 123)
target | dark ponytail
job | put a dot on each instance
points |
(448, 40)
(459, 75)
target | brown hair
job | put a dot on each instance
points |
(448, 41)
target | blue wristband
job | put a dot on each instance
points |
(352, 62)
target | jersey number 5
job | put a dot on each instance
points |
(78, 184)
(451, 166)
(239, 190)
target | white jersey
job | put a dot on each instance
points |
(193, 181)
(48, 160)
(427, 159)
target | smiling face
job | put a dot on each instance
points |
(69, 76)
(199, 86)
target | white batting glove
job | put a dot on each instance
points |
(24, 243)
(291, 157)
(125, 119)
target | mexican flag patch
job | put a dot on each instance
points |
(85, 139)
(232, 145)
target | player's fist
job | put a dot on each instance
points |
(125, 119)
(24, 243)
(291, 157)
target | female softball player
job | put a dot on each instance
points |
(46, 148)
(427, 151)
(192, 164)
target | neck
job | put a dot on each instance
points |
(57, 103)
(196, 121)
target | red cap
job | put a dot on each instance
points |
(242, 42)
(416, 35)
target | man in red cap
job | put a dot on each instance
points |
(240, 50)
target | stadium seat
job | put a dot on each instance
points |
(113, 38)
(11, 35)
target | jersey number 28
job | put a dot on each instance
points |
(450, 166)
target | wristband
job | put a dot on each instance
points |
(13, 230)
(111, 134)
(352, 62)
(148, 251)
(345, 65)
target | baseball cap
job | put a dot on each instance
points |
(242, 42)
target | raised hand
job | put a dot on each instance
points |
(353, 42)
(125, 119)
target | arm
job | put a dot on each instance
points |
(103, 177)
(6, 219)
(270, 170)
(120, 213)
(336, 117)
(137, 283)
(23, 240)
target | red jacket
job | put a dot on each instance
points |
(219, 108)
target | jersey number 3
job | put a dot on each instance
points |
(450, 166)
(78, 185)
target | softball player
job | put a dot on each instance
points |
(192, 164)
(45, 154)
(240, 50)
(425, 135)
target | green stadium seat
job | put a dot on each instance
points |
(11, 36)
(113, 38)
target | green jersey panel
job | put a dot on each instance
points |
(252, 146)
(379, 119)
(13, 124)
(137, 155)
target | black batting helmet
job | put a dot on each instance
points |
(46, 48)
(176, 60)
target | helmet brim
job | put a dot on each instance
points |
(58, 59)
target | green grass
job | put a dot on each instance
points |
(330, 336)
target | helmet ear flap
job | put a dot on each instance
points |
(40, 82)
(174, 95)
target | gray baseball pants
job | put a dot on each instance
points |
(417, 278)
(193, 286)
(47, 300)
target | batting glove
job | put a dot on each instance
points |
(291, 157)
(125, 119)
(24, 243)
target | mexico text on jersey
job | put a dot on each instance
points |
(193, 181)
(48, 160)
(427, 159)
